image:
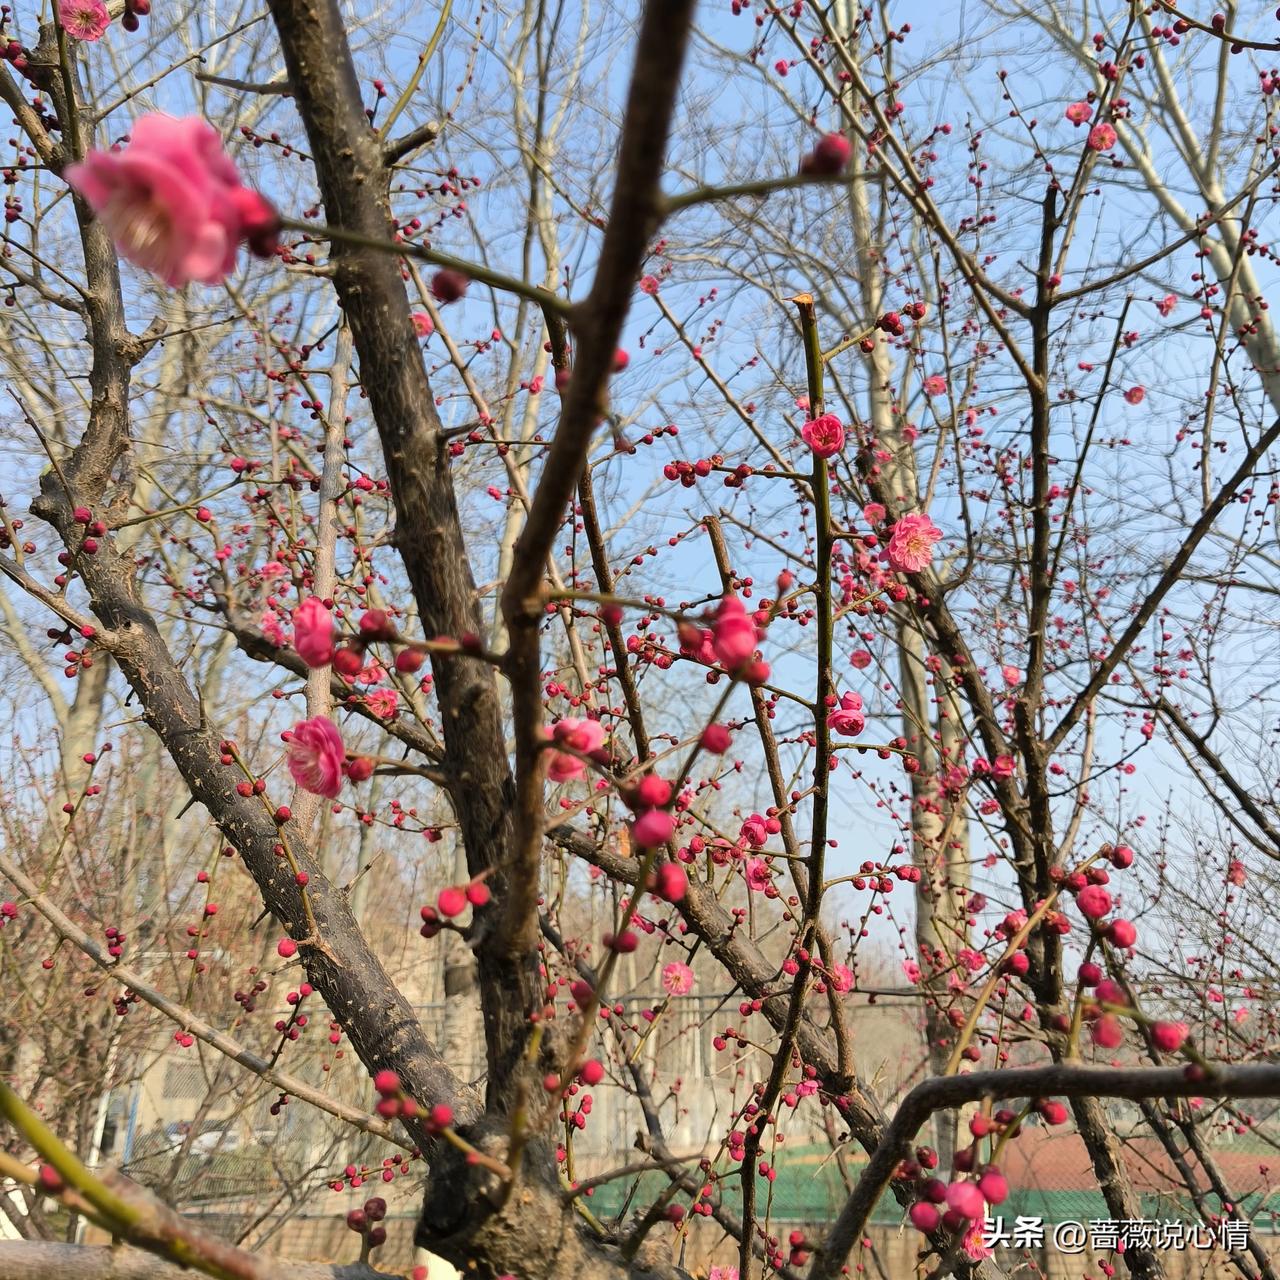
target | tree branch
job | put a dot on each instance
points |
(354, 185)
(597, 322)
(188, 1021)
(1021, 1082)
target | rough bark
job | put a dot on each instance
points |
(354, 186)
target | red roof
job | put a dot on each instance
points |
(1055, 1159)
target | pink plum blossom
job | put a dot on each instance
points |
(841, 978)
(758, 875)
(269, 625)
(1102, 137)
(84, 19)
(173, 202)
(697, 643)
(652, 828)
(384, 703)
(423, 325)
(935, 385)
(1168, 1036)
(315, 756)
(974, 1242)
(847, 719)
(824, 435)
(924, 1217)
(1122, 933)
(670, 882)
(313, 632)
(448, 285)
(1078, 113)
(584, 736)
(965, 1199)
(1094, 901)
(911, 545)
(677, 979)
(829, 157)
(733, 633)
(1107, 1033)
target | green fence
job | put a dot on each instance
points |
(808, 1188)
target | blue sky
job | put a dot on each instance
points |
(736, 126)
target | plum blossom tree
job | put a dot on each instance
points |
(352, 478)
